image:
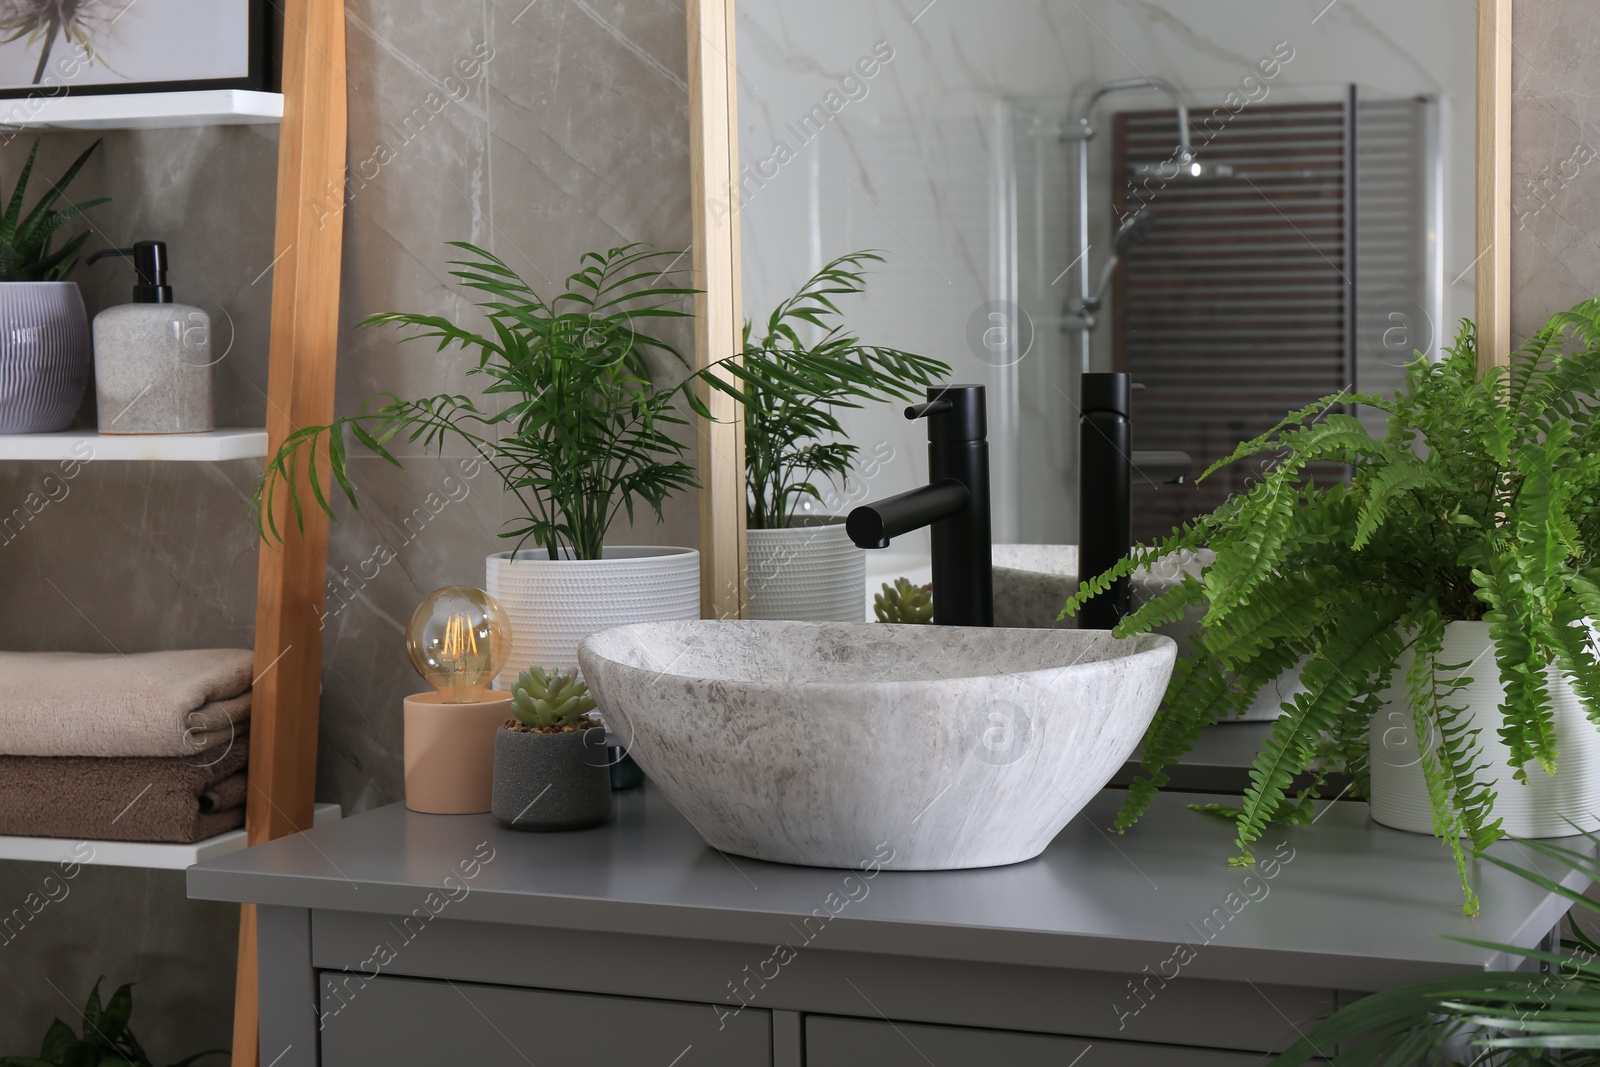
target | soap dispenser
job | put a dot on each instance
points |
(152, 358)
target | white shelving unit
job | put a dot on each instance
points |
(143, 111)
(133, 853)
(88, 445)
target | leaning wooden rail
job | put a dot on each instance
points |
(291, 577)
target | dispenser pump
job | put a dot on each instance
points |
(149, 267)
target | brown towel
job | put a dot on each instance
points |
(91, 799)
(227, 794)
(177, 703)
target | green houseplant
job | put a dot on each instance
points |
(44, 330)
(107, 1040)
(1473, 523)
(1494, 1019)
(802, 565)
(575, 426)
(551, 770)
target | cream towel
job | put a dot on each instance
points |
(175, 703)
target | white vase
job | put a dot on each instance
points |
(44, 356)
(806, 574)
(1543, 806)
(555, 603)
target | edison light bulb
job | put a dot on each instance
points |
(459, 639)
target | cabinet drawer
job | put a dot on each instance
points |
(836, 1042)
(404, 1021)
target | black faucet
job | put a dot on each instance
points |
(1106, 464)
(1105, 491)
(954, 503)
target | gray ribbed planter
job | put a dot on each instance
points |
(551, 781)
(44, 355)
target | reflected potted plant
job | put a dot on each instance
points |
(1443, 602)
(551, 769)
(44, 330)
(802, 566)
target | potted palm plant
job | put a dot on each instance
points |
(582, 438)
(1442, 602)
(801, 565)
(44, 330)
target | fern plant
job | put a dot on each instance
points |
(1482, 502)
(792, 437)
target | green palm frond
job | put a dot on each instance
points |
(791, 387)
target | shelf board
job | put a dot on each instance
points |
(134, 853)
(87, 445)
(143, 111)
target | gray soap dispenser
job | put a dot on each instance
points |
(152, 358)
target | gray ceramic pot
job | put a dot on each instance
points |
(551, 781)
(44, 355)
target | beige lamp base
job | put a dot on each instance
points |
(449, 753)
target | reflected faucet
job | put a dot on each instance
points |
(954, 504)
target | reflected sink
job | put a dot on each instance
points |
(1033, 582)
(841, 744)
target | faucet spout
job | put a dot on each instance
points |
(954, 505)
(874, 525)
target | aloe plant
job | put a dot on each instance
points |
(1482, 502)
(542, 701)
(903, 602)
(26, 254)
(107, 1040)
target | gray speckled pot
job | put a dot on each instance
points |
(551, 781)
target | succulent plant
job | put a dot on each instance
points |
(904, 602)
(541, 700)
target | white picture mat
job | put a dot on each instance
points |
(143, 41)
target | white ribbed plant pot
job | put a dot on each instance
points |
(806, 574)
(1543, 806)
(44, 355)
(556, 603)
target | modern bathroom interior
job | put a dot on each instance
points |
(808, 535)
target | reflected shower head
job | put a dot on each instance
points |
(1131, 232)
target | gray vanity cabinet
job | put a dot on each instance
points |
(417, 1021)
(839, 1042)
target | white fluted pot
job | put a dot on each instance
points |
(554, 604)
(44, 355)
(1543, 806)
(806, 574)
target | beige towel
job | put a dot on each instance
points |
(176, 703)
(120, 799)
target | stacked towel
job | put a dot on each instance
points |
(147, 704)
(136, 799)
(144, 747)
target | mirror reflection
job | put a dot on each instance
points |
(1243, 205)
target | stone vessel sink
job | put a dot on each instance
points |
(844, 744)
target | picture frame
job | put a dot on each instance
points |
(147, 46)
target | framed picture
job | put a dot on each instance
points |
(81, 47)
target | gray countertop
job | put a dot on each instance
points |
(1348, 905)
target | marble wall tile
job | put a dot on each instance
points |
(1555, 148)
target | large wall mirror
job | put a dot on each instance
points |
(1245, 204)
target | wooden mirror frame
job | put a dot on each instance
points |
(714, 156)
